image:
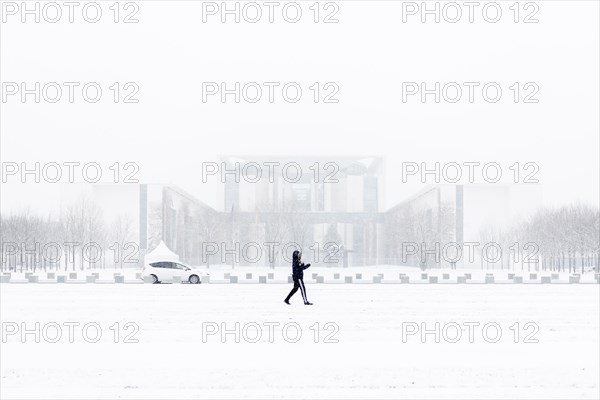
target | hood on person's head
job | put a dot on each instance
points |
(296, 255)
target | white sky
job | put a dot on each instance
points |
(369, 53)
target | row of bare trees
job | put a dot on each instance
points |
(78, 238)
(269, 224)
(561, 239)
(558, 239)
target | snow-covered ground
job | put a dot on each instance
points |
(371, 358)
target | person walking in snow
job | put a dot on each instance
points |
(297, 275)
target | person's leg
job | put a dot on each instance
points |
(303, 291)
(294, 290)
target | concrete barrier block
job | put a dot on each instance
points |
(28, 274)
(33, 278)
(532, 277)
(119, 279)
(489, 278)
(518, 279)
(205, 278)
(90, 279)
(61, 279)
(433, 279)
(138, 275)
(249, 275)
(320, 279)
(511, 276)
(358, 276)
(423, 276)
(405, 279)
(376, 279)
(348, 279)
(262, 279)
(445, 276)
(336, 276)
(574, 279)
(96, 274)
(461, 279)
(546, 279)
(555, 277)
(72, 275)
(5, 278)
(51, 275)
(400, 276)
(270, 275)
(314, 275)
(148, 279)
(468, 276)
(233, 279)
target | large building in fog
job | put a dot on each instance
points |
(329, 206)
(316, 200)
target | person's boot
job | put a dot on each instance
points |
(308, 303)
(287, 301)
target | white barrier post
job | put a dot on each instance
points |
(532, 277)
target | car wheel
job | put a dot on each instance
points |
(154, 278)
(194, 279)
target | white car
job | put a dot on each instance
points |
(161, 271)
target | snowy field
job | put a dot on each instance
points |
(365, 351)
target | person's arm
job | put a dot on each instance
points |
(304, 266)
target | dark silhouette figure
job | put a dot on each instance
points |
(298, 275)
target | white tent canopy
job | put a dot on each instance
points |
(161, 253)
